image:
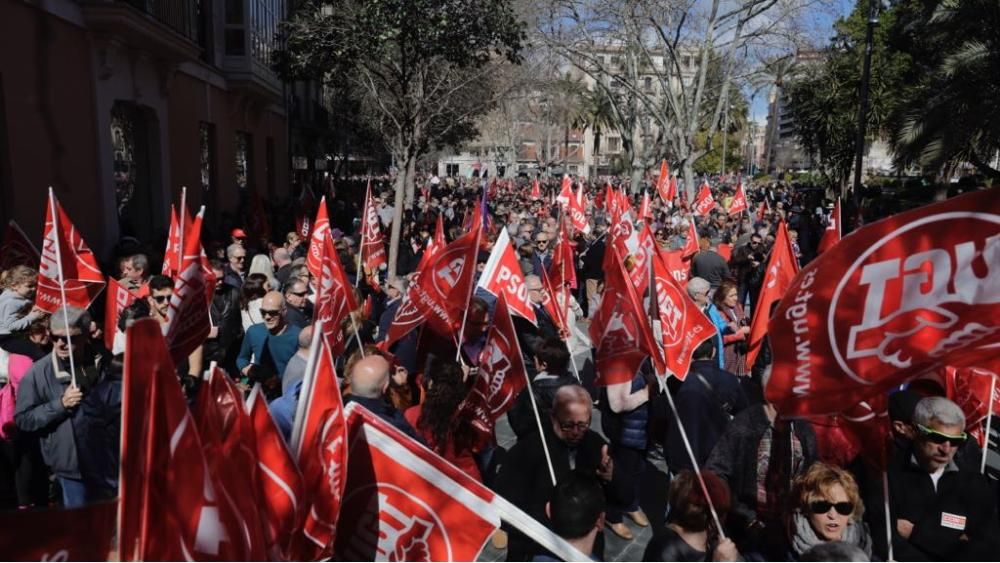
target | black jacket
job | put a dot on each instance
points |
(522, 417)
(385, 411)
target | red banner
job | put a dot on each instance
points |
(279, 484)
(566, 192)
(739, 203)
(404, 503)
(781, 269)
(704, 202)
(536, 190)
(679, 325)
(831, 235)
(319, 442)
(77, 534)
(678, 268)
(170, 507)
(66, 263)
(501, 376)
(334, 295)
(900, 297)
(578, 215)
(17, 249)
(442, 288)
(188, 322)
(502, 277)
(645, 213)
(317, 242)
(691, 246)
(663, 183)
(117, 299)
(372, 245)
(973, 389)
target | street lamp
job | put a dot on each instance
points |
(873, 7)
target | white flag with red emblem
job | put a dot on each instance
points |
(372, 246)
(68, 268)
(319, 443)
(502, 276)
(170, 507)
(188, 322)
(404, 503)
(739, 203)
(704, 202)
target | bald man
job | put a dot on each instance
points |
(524, 477)
(369, 379)
(268, 346)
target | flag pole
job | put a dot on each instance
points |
(989, 422)
(308, 382)
(536, 531)
(180, 231)
(541, 432)
(361, 245)
(62, 284)
(888, 517)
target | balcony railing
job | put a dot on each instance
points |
(181, 16)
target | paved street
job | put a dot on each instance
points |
(653, 496)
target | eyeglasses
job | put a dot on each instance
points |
(298, 293)
(543, 241)
(534, 289)
(822, 507)
(270, 312)
(63, 338)
(240, 258)
(569, 426)
(940, 438)
(161, 298)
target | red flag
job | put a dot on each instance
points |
(620, 330)
(170, 509)
(739, 203)
(66, 263)
(188, 322)
(762, 210)
(172, 255)
(691, 246)
(679, 268)
(673, 189)
(117, 299)
(334, 295)
(317, 242)
(726, 251)
(663, 183)
(781, 268)
(279, 489)
(578, 215)
(898, 298)
(562, 270)
(17, 249)
(536, 190)
(609, 197)
(75, 534)
(831, 235)
(442, 288)
(645, 213)
(372, 246)
(679, 325)
(229, 448)
(501, 376)
(581, 197)
(972, 389)
(502, 277)
(404, 503)
(319, 443)
(704, 202)
(866, 427)
(566, 191)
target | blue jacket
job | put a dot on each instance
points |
(627, 428)
(283, 410)
(722, 327)
(280, 348)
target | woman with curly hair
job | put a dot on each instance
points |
(435, 419)
(827, 507)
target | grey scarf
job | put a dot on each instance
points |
(805, 537)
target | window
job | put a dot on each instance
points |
(264, 18)
(234, 34)
(451, 169)
(244, 159)
(206, 138)
(135, 166)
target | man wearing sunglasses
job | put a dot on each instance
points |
(941, 512)
(298, 310)
(268, 346)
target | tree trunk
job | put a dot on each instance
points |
(688, 167)
(635, 184)
(403, 160)
(411, 181)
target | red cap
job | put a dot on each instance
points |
(239, 233)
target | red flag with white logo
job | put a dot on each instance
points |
(645, 212)
(317, 242)
(334, 295)
(442, 288)
(229, 448)
(17, 249)
(188, 322)
(502, 276)
(679, 268)
(279, 491)
(691, 246)
(117, 299)
(973, 389)
(404, 503)
(172, 255)
(739, 203)
(67, 264)
(703, 202)
(536, 190)
(831, 235)
(663, 183)
(171, 509)
(566, 191)
(501, 376)
(372, 246)
(73, 534)
(578, 215)
(898, 298)
(781, 269)
(620, 330)
(319, 443)
(679, 326)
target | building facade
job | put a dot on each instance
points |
(117, 105)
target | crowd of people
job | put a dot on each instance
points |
(745, 482)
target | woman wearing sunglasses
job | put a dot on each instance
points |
(827, 507)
